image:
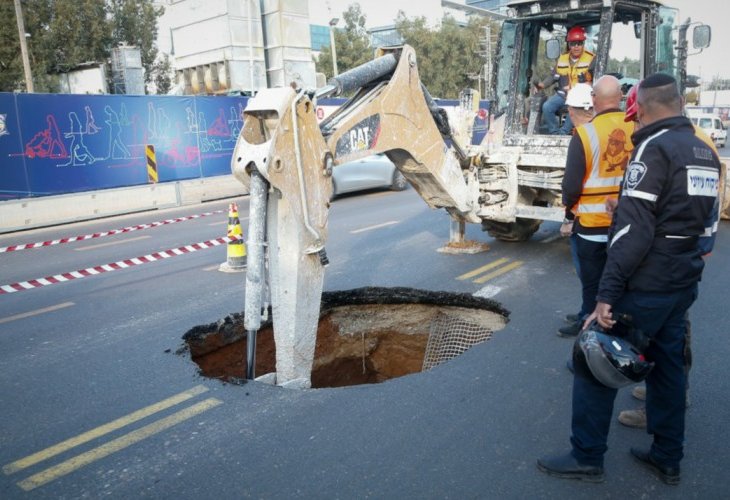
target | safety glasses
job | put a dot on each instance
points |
(575, 44)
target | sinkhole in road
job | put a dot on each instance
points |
(365, 336)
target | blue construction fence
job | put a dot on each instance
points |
(66, 143)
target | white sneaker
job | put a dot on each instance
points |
(633, 418)
(639, 392)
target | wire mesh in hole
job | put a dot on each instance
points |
(450, 336)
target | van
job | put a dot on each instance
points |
(713, 126)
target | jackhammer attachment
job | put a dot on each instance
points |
(281, 141)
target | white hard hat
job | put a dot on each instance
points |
(580, 96)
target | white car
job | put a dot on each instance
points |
(371, 172)
(713, 126)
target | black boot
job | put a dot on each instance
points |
(670, 475)
(571, 330)
(567, 467)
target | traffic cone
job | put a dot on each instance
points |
(236, 253)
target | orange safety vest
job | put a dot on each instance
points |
(569, 72)
(607, 146)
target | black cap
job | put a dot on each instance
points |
(657, 80)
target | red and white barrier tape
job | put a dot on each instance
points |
(114, 266)
(128, 229)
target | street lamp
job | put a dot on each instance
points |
(333, 23)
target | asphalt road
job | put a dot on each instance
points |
(95, 402)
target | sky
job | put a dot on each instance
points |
(708, 64)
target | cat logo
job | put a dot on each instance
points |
(361, 137)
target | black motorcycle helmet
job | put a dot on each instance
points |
(613, 361)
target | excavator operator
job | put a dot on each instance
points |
(573, 67)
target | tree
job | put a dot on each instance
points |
(162, 71)
(352, 44)
(135, 23)
(449, 57)
(66, 33)
(629, 68)
(719, 84)
(47, 22)
(11, 66)
(79, 32)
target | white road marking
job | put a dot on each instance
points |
(377, 226)
(111, 243)
(36, 312)
(488, 291)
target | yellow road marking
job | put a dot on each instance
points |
(118, 444)
(499, 271)
(111, 243)
(101, 430)
(377, 226)
(36, 312)
(480, 270)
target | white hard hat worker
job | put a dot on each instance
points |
(580, 104)
(580, 96)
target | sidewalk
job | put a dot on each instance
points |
(29, 213)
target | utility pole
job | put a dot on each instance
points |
(23, 48)
(333, 22)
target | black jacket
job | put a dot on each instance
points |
(668, 194)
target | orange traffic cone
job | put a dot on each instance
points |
(236, 253)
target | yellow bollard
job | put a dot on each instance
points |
(236, 248)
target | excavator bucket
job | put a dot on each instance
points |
(283, 160)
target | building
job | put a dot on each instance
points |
(224, 46)
(493, 5)
(231, 46)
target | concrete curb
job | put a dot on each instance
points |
(29, 213)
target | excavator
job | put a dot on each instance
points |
(509, 184)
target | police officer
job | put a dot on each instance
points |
(637, 418)
(573, 67)
(597, 156)
(653, 266)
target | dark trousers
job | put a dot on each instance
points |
(592, 259)
(661, 316)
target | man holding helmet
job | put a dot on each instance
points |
(573, 67)
(594, 167)
(653, 265)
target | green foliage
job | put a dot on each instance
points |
(11, 66)
(719, 84)
(352, 44)
(79, 33)
(450, 57)
(135, 23)
(162, 71)
(629, 68)
(66, 33)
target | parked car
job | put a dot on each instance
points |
(713, 126)
(371, 172)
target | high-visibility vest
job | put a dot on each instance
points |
(702, 135)
(607, 146)
(569, 73)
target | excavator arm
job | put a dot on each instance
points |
(285, 159)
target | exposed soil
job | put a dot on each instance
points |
(365, 335)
